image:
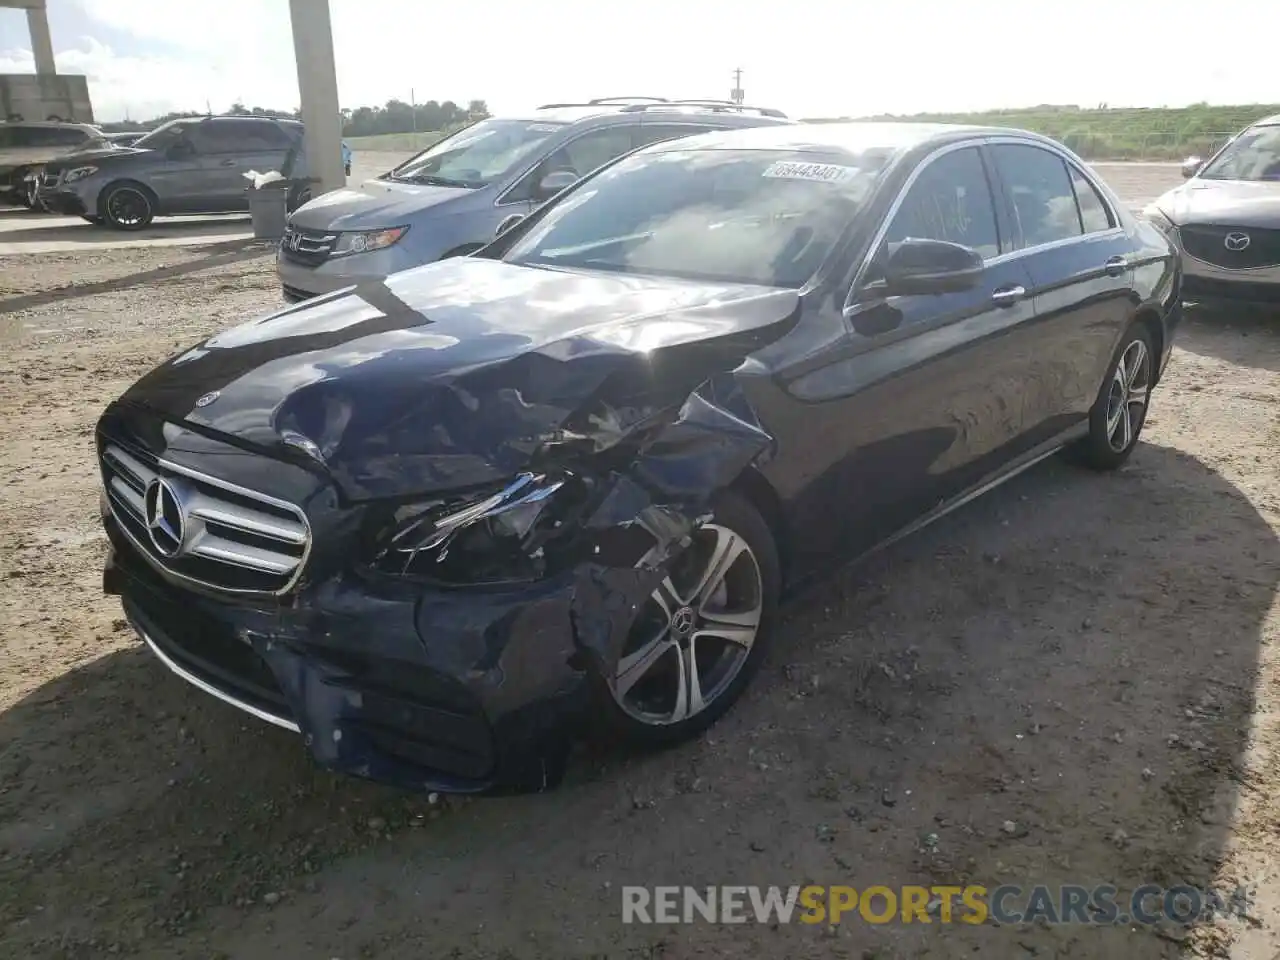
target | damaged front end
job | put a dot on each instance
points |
(452, 644)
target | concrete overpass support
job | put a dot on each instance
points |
(38, 28)
(41, 40)
(318, 86)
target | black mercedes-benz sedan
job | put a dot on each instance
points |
(440, 524)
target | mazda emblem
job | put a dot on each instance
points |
(1236, 241)
(166, 520)
(208, 398)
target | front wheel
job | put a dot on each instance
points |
(701, 635)
(1119, 413)
(126, 206)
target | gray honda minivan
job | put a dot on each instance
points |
(452, 198)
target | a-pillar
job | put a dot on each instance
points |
(318, 86)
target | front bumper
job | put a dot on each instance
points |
(301, 281)
(450, 691)
(66, 202)
(1207, 281)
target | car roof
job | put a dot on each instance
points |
(1269, 121)
(654, 108)
(848, 137)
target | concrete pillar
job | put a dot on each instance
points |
(41, 40)
(318, 85)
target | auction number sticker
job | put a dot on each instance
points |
(821, 172)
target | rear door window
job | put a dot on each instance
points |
(1095, 215)
(1041, 200)
(950, 200)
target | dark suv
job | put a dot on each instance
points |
(191, 165)
(451, 198)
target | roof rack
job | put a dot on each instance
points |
(601, 101)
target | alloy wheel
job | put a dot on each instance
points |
(1127, 399)
(694, 634)
(128, 207)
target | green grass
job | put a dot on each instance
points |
(396, 142)
(1130, 133)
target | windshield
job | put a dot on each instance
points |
(734, 216)
(166, 135)
(478, 155)
(1254, 155)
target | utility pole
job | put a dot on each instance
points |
(736, 94)
(413, 105)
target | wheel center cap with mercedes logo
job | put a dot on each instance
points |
(166, 521)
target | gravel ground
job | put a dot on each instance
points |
(1073, 679)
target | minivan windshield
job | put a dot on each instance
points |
(731, 216)
(476, 155)
(1254, 155)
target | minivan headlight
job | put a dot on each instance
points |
(78, 173)
(366, 241)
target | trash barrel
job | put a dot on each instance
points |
(269, 209)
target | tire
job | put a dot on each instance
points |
(1111, 441)
(126, 206)
(650, 712)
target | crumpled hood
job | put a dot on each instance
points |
(374, 204)
(462, 371)
(1224, 203)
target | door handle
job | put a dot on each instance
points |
(228, 163)
(1008, 296)
(1115, 266)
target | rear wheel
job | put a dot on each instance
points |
(701, 635)
(126, 206)
(1119, 413)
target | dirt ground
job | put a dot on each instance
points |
(1072, 680)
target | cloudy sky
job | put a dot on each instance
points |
(146, 57)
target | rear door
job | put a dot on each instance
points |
(1069, 239)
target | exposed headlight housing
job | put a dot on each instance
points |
(366, 241)
(499, 536)
(78, 173)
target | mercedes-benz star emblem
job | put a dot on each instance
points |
(1236, 241)
(166, 524)
(208, 398)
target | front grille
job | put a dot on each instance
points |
(1209, 243)
(203, 529)
(307, 246)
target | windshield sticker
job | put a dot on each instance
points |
(822, 172)
(543, 127)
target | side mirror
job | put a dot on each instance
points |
(555, 181)
(1191, 166)
(508, 223)
(922, 267)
